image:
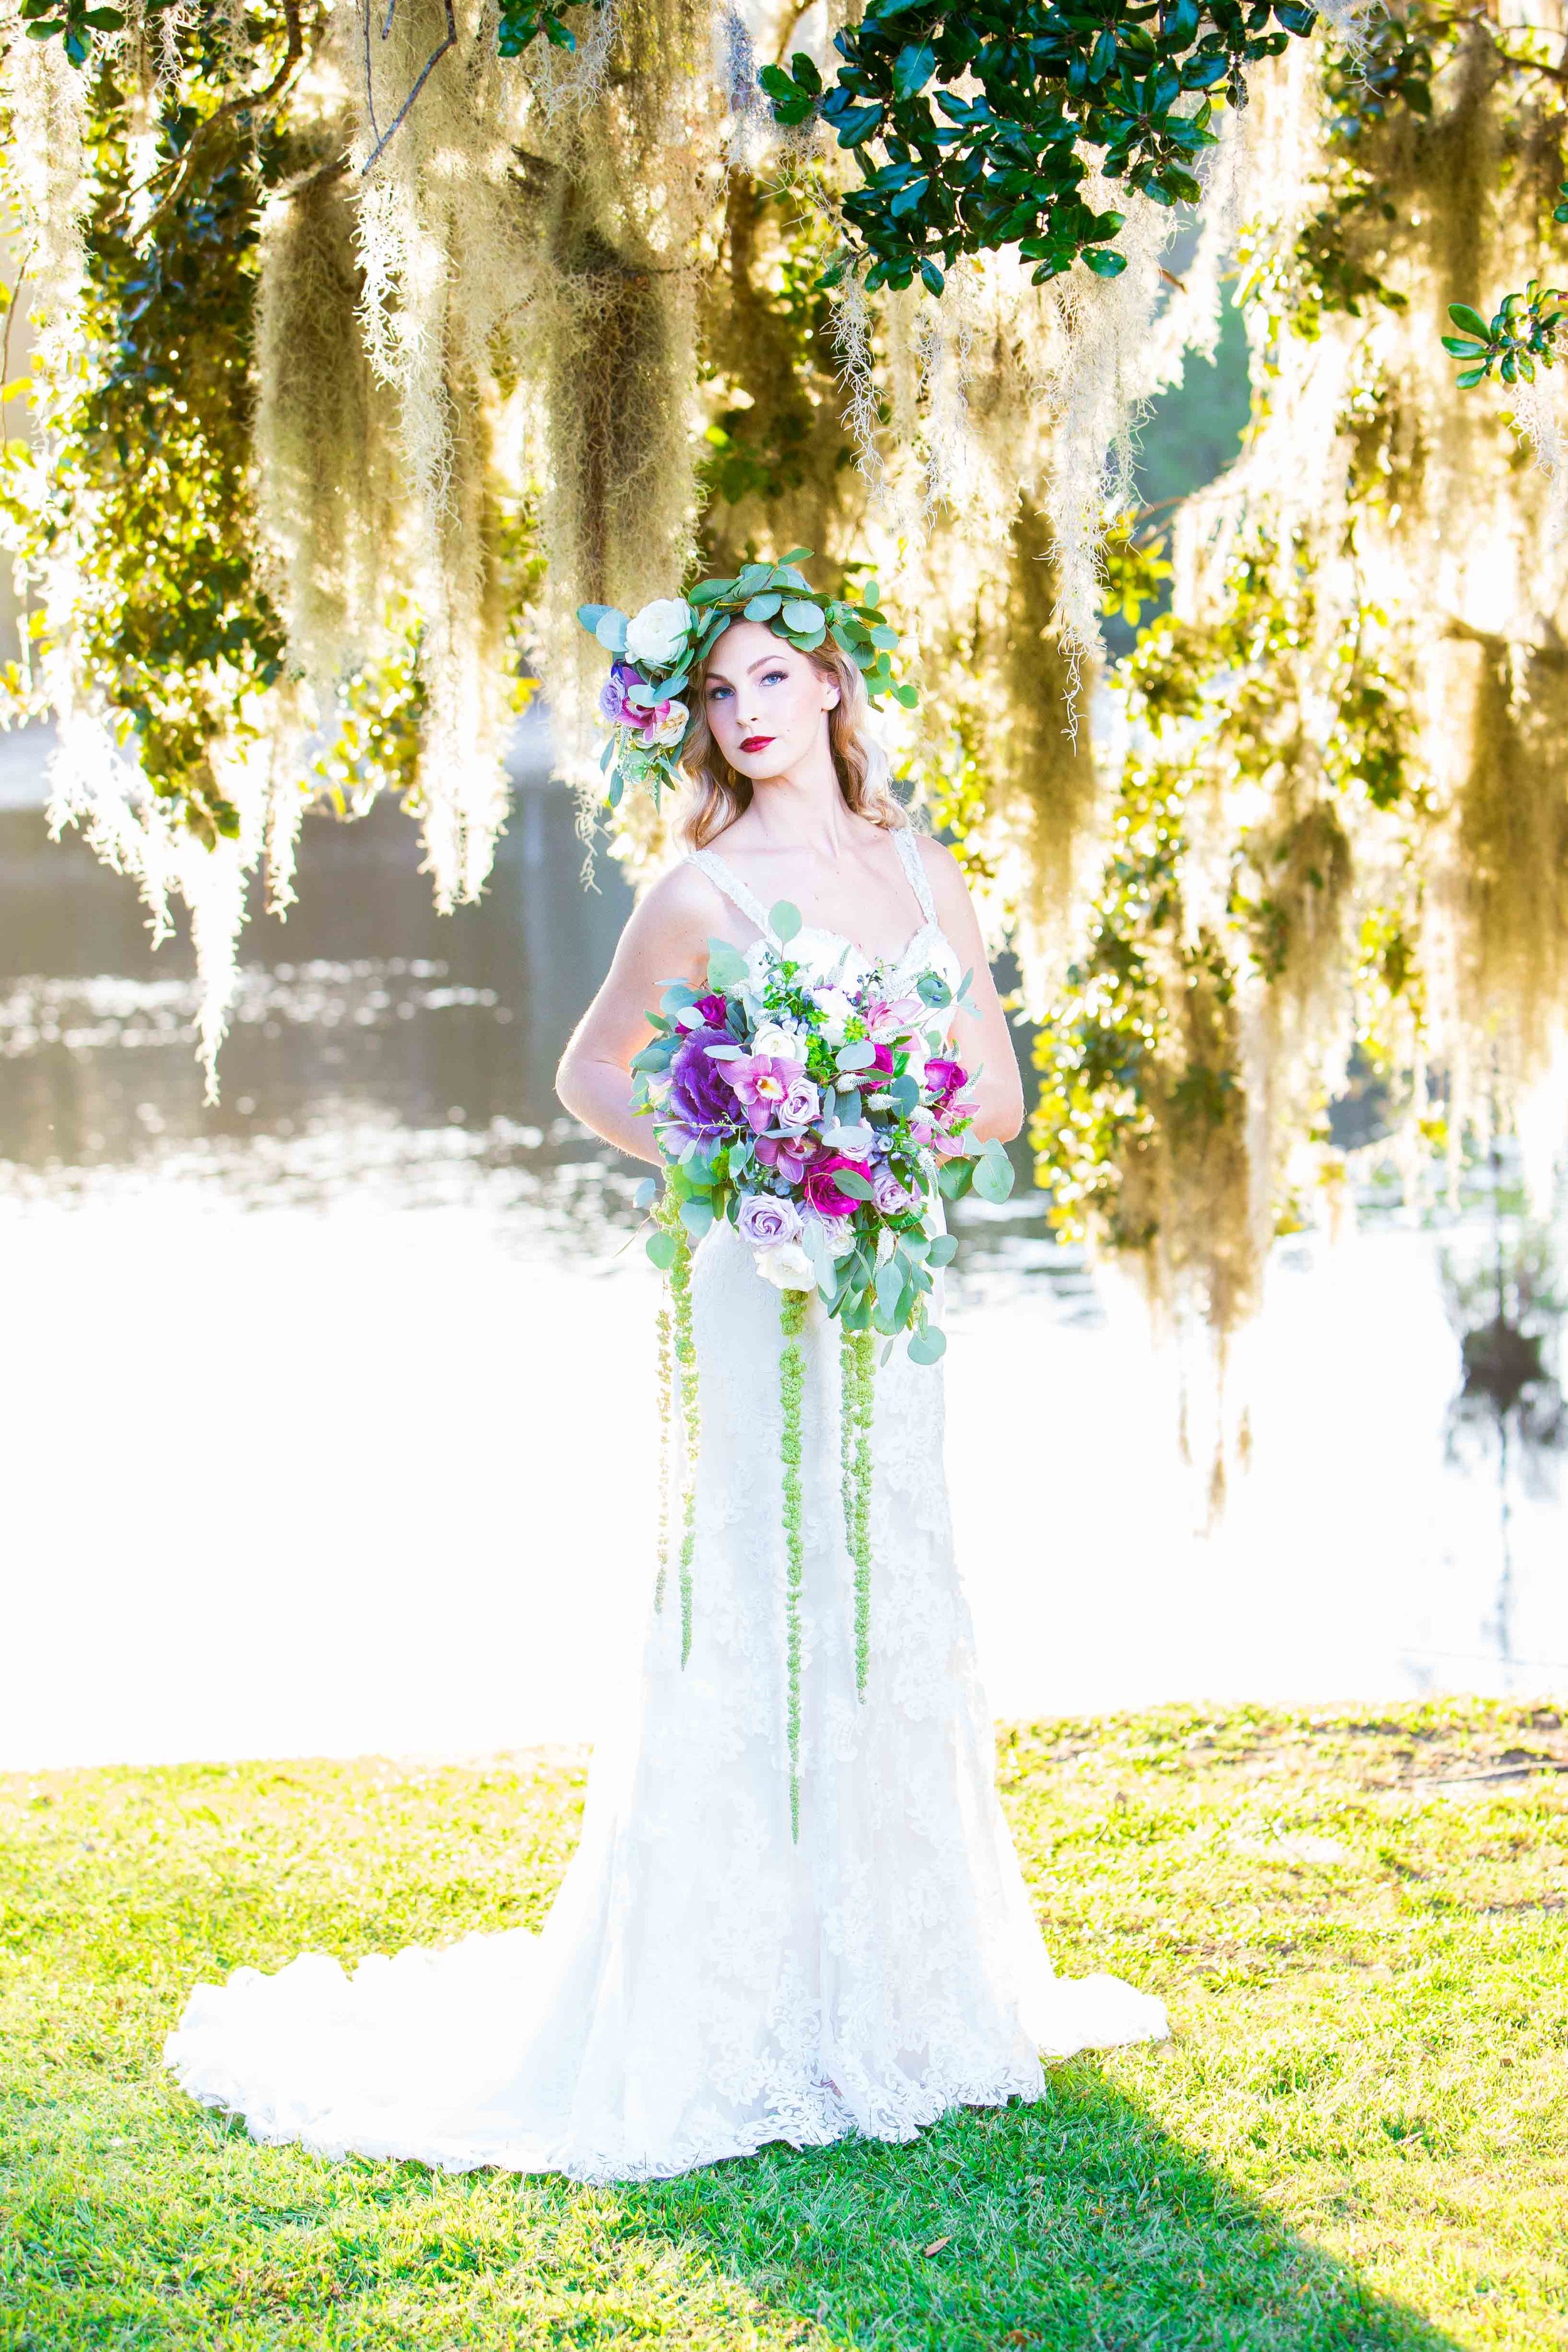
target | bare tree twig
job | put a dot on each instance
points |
(431, 62)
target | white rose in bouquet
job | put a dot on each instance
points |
(657, 635)
(786, 1266)
(780, 1043)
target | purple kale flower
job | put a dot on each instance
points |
(700, 1096)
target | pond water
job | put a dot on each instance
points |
(327, 1413)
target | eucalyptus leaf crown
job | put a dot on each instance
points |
(655, 652)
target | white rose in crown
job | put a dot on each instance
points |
(656, 635)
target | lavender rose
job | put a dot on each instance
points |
(889, 1196)
(800, 1106)
(700, 1096)
(765, 1220)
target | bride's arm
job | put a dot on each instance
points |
(982, 1035)
(666, 938)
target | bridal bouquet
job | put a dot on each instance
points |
(821, 1118)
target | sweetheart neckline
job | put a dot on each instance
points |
(886, 963)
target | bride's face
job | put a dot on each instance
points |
(766, 705)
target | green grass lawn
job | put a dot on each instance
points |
(1358, 2136)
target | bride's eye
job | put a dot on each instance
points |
(774, 677)
(715, 690)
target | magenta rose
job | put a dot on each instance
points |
(699, 1095)
(883, 1064)
(822, 1193)
(943, 1079)
(712, 1009)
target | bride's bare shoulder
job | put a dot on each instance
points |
(681, 908)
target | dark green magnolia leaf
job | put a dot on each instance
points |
(912, 69)
(806, 74)
(1105, 261)
(1464, 347)
(1471, 321)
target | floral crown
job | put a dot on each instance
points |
(654, 652)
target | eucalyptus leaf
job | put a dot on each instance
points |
(783, 920)
(661, 1248)
(993, 1172)
(727, 969)
(929, 1346)
(645, 1194)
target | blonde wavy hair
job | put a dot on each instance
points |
(718, 795)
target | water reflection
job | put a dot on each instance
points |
(330, 1409)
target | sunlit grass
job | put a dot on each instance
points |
(1358, 2137)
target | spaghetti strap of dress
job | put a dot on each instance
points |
(723, 879)
(913, 864)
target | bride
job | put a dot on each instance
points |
(707, 1982)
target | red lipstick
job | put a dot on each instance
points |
(756, 742)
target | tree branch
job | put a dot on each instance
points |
(203, 136)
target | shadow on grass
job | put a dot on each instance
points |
(1076, 2225)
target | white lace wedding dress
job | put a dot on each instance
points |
(704, 1984)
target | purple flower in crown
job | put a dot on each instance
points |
(656, 725)
(700, 1096)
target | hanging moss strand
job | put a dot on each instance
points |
(791, 1383)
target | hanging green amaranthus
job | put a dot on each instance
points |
(791, 1383)
(857, 1405)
